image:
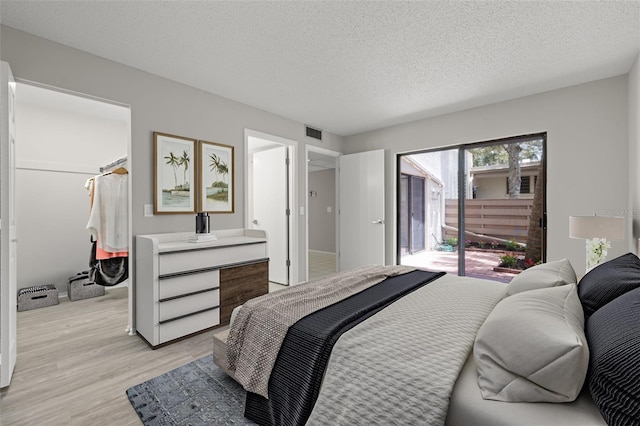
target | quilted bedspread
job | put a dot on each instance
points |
(261, 324)
(400, 366)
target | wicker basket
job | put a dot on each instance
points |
(36, 297)
(81, 287)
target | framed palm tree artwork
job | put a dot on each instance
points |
(174, 175)
(216, 178)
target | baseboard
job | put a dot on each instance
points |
(321, 252)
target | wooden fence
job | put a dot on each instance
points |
(504, 219)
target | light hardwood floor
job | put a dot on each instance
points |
(75, 362)
(321, 264)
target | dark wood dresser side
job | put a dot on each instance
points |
(239, 284)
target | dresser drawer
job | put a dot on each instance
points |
(187, 325)
(189, 283)
(180, 306)
(170, 263)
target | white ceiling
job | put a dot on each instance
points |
(351, 66)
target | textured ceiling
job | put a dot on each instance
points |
(349, 67)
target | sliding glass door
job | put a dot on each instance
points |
(428, 186)
(475, 210)
(412, 217)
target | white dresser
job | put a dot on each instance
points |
(184, 288)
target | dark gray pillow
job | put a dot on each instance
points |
(613, 334)
(607, 281)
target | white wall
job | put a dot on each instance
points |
(589, 136)
(158, 104)
(58, 151)
(587, 150)
(322, 223)
(634, 152)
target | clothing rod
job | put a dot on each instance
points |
(42, 169)
(116, 163)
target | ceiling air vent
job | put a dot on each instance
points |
(314, 133)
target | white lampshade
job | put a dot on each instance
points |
(611, 228)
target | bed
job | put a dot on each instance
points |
(395, 345)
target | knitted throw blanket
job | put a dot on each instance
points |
(261, 324)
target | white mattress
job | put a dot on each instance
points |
(468, 408)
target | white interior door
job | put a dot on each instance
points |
(362, 222)
(271, 208)
(8, 240)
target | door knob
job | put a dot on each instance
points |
(254, 221)
(378, 222)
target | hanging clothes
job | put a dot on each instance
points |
(108, 220)
(108, 225)
(107, 272)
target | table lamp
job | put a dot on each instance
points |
(598, 231)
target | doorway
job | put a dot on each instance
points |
(476, 209)
(65, 139)
(270, 197)
(322, 211)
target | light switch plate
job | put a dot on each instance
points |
(148, 210)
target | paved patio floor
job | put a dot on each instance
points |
(478, 264)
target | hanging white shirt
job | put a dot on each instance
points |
(108, 220)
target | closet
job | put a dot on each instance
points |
(63, 141)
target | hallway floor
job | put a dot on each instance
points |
(321, 264)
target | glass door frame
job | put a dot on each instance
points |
(462, 189)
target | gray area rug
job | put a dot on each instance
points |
(198, 393)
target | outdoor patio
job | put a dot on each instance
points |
(478, 263)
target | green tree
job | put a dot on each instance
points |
(532, 150)
(511, 154)
(490, 155)
(494, 155)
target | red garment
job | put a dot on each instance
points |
(101, 254)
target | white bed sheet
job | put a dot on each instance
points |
(468, 408)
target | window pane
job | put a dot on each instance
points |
(498, 213)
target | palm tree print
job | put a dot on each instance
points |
(184, 161)
(174, 162)
(223, 170)
(219, 167)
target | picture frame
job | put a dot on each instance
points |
(216, 177)
(174, 174)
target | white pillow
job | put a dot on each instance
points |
(550, 274)
(532, 347)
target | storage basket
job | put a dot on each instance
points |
(37, 296)
(81, 287)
